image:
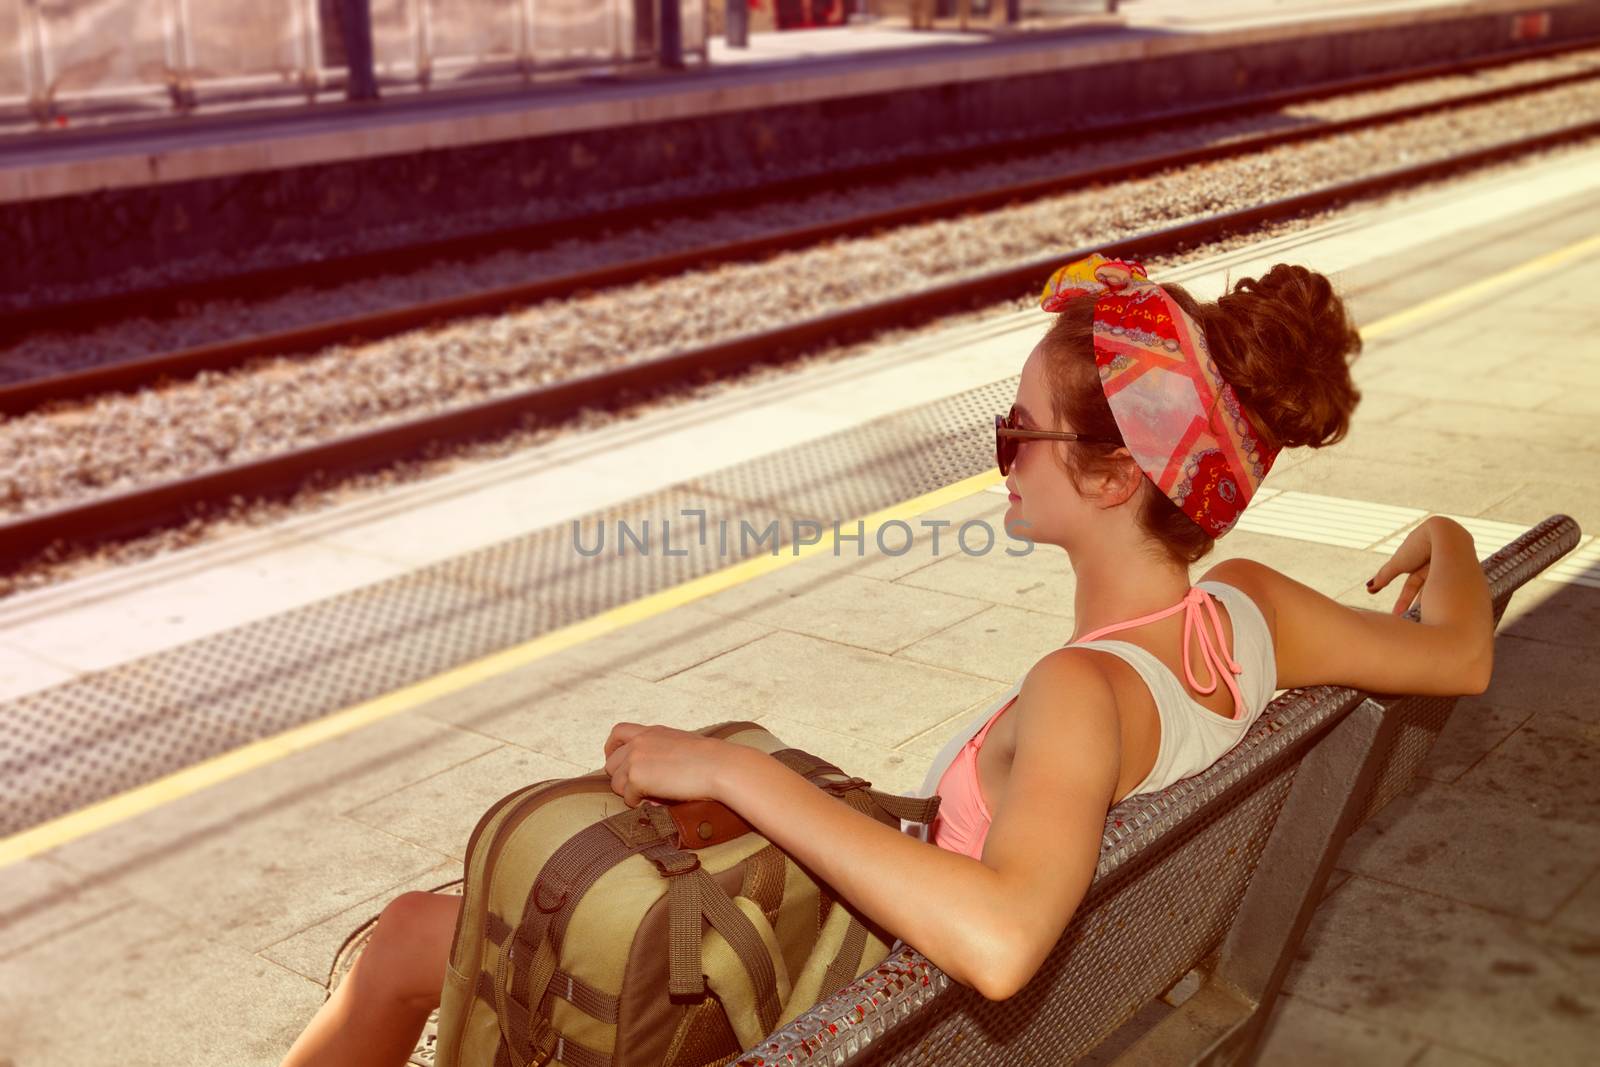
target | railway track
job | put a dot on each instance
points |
(138, 511)
(143, 510)
(28, 393)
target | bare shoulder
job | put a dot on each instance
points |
(1066, 717)
(1074, 676)
(1254, 580)
(1246, 575)
(1044, 840)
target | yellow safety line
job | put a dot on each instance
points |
(1481, 289)
(143, 798)
(231, 764)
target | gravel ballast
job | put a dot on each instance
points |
(117, 442)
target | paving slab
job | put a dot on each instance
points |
(1038, 580)
(1426, 388)
(931, 741)
(662, 645)
(439, 812)
(999, 642)
(1323, 567)
(568, 718)
(1581, 914)
(1377, 406)
(900, 574)
(1573, 402)
(1441, 1056)
(931, 541)
(1536, 496)
(23, 672)
(44, 899)
(1332, 472)
(165, 995)
(1308, 1035)
(1548, 767)
(1475, 727)
(1465, 345)
(1574, 952)
(310, 952)
(1497, 422)
(866, 612)
(821, 683)
(261, 881)
(238, 855)
(1457, 842)
(1458, 975)
(890, 770)
(1559, 361)
(1508, 462)
(527, 496)
(1540, 676)
(1556, 613)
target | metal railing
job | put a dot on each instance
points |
(62, 60)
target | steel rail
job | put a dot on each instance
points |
(139, 511)
(24, 395)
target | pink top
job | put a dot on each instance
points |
(962, 824)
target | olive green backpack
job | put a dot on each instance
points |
(593, 934)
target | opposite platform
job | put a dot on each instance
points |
(179, 200)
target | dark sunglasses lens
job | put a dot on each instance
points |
(1005, 448)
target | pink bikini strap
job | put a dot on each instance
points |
(1191, 621)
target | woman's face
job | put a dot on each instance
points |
(1045, 506)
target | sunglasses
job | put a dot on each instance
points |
(1008, 435)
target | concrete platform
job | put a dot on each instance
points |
(1462, 929)
(185, 196)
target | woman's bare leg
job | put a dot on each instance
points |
(377, 1013)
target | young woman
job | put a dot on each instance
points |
(1143, 423)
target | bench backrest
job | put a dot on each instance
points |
(1173, 869)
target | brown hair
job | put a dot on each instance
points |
(1284, 343)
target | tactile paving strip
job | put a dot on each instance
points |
(64, 748)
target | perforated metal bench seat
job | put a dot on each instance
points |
(1235, 857)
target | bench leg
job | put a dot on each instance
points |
(1222, 1022)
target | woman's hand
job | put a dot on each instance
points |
(665, 764)
(1413, 558)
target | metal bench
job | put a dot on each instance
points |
(1220, 872)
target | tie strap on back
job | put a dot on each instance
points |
(1214, 656)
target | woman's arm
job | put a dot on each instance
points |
(1320, 641)
(910, 888)
(989, 925)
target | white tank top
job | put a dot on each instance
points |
(1193, 737)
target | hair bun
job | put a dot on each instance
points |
(1285, 343)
